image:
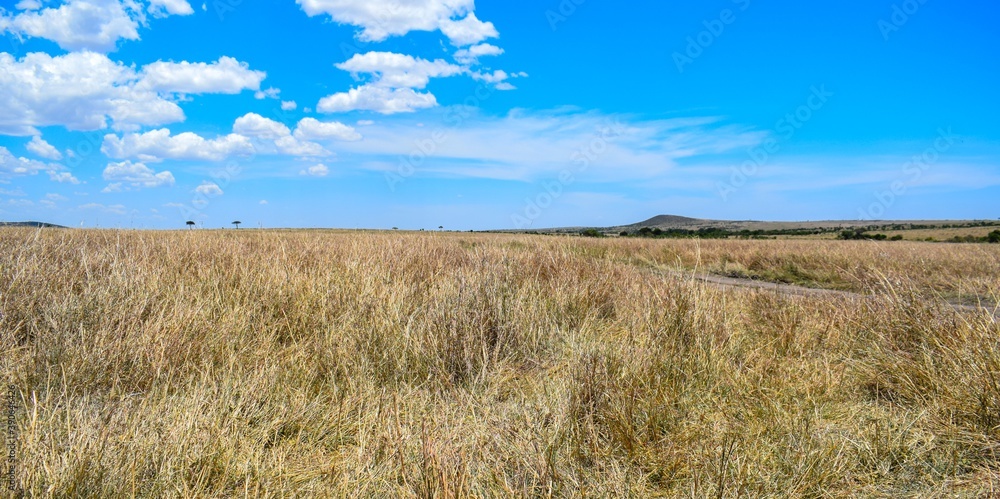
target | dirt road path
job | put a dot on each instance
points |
(794, 290)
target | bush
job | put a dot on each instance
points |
(994, 237)
(592, 233)
(860, 235)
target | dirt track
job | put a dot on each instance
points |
(794, 290)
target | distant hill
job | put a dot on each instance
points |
(31, 224)
(673, 221)
(676, 222)
(665, 222)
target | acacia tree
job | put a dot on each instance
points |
(237, 224)
(190, 224)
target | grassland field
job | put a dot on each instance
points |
(246, 363)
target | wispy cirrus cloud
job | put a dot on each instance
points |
(525, 145)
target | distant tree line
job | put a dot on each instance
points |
(719, 233)
(856, 234)
(861, 234)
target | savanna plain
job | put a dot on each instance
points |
(381, 364)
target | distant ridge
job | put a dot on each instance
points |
(671, 220)
(667, 222)
(677, 222)
(31, 224)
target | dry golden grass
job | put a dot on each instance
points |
(963, 271)
(246, 363)
(940, 234)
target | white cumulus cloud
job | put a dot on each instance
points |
(295, 147)
(224, 76)
(63, 177)
(378, 99)
(494, 77)
(11, 165)
(170, 7)
(391, 81)
(43, 149)
(313, 129)
(79, 91)
(467, 30)
(498, 78)
(389, 69)
(208, 189)
(255, 125)
(28, 5)
(472, 54)
(157, 145)
(272, 137)
(380, 20)
(96, 25)
(319, 170)
(268, 93)
(128, 175)
(85, 90)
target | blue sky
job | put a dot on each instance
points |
(487, 114)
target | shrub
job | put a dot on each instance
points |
(859, 234)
